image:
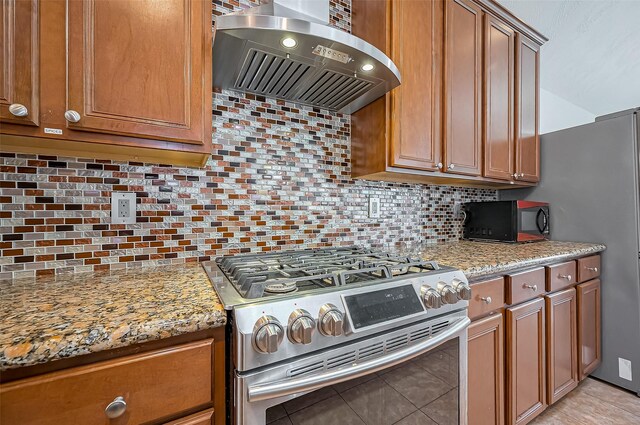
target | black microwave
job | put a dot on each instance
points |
(507, 221)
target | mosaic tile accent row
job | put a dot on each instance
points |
(278, 178)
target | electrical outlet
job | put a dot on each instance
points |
(123, 207)
(374, 207)
(624, 369)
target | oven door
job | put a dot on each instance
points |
(533, 221)
(413, 375)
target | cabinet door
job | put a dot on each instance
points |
(499, 148)
(140, 68)
(416, 130)
(463, 91)
(562, 356)
(486, 371)
(525, 362)
(19, 80)
(589, 349)
(527, 106)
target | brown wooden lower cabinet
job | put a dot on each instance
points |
(156, 386)
(550, 341)
(526, 392)
(589, 349)
(486, 371)
(561, 339)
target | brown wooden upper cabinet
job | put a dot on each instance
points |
(499, 63)
(415, 121)
(466, 112)
(19, 62)
(112, 83)
(463, 87)
(527, 107)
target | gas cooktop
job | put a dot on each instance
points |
(268, 274)
(277, 300)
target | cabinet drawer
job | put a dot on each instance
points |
(486, 297)
(525, 285)
(588, 268)
(560, 276)
(154, 385)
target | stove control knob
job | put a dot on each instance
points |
(330, 320)
(431, 298)
(267, 334)
(462, 288)
(301, 326)
(448, 294)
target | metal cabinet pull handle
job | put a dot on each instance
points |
(565, 276)
(592, 269)
(72, 116)
(439, 165)
(116, 408)
(18, 110)
(486, 299)
(532, 287)
(452, 166)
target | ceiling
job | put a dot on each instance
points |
(592, 58)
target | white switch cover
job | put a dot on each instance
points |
(374, 207)
(624, 369)
(123, 207)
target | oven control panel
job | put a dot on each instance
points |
(272, 331)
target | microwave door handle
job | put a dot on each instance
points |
(276, 389)
(545, 220)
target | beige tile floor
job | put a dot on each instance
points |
(593, 403)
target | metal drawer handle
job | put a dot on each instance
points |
(592, 269)
(72, 116)
(116, 408)
(565, 276)
(18, 110)
(532, 287)
(486, 299)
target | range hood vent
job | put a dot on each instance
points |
(327, 67)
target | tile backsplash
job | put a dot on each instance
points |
(278, 178)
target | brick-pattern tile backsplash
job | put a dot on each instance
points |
(278, 178)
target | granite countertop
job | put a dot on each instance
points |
(55, 317)
(479, 259)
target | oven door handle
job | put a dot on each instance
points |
(313, 382)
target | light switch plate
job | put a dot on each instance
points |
(123, 207)
(624, 369)
(374, 207)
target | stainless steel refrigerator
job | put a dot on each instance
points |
(590, 176)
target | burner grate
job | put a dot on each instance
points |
(268, 274)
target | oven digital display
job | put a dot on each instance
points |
(379, 306)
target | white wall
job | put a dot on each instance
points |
(557, 113)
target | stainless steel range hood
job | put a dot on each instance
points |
(322, 66)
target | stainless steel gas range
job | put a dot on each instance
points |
(344, 336)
